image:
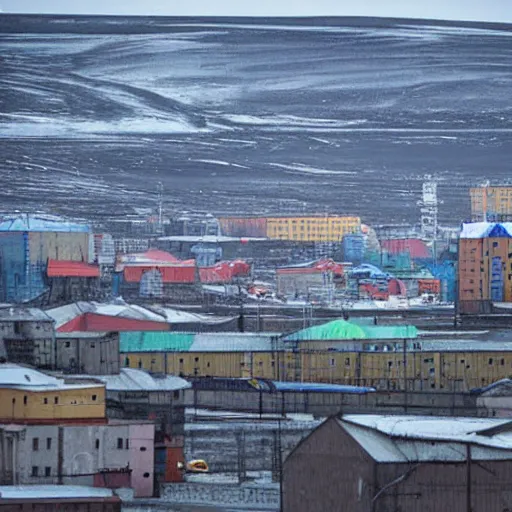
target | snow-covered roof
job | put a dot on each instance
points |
(16, 492)
(17, 314)
(130, 379)
(16, 376)
(428, 438)
(486, 229)
(175, 316)
(64, 314)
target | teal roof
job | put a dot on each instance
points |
(155, 341)
(343, 330)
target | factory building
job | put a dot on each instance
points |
(27, 242)
(485, 272)
(491, 203)
(301, 228)
(410, 463)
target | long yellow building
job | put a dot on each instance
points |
(493, 204)
(29, 396)
(328, 228)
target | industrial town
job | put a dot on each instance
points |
(292, 362)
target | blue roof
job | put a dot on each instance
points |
(316, 387)
(38, 223)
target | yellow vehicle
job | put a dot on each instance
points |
(197, 466)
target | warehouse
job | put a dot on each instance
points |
(409, 463)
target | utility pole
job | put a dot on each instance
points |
(468, 477)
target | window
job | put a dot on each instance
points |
(502, 362)
(93, 345)
(146, 475)
(181, 361)
(35, 470)
(140, 363)
(47, 471)
(196, 359)
(97, 444)
(347, 361)
(48, 443)
(17, 327)
(45, 400)
(94, 398)
(127, 444)
(142, 448)
(490, 360)
(119, 443)
(68, 344)
(176, 394)
(25, 400)
(35, 444)
(56, 400)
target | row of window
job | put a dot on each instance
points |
(121, 444)
(35, 443)
(55, 400)
(47, 471)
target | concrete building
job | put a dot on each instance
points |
(410, 463)
(50, 498)
(27, 336)
(93, 353)
(29, 396)
(117, 454)
(136, 394)
(491, 203)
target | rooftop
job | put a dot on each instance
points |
(486, 230)
(16, 492)
(343, 330)
(40, 223)
(429, 438)
(130, 379)
(59, 268)
(17, 314)
(16, 376)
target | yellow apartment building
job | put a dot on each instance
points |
(327, 228)
(29, 396)
(491, 203)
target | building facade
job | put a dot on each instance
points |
(80, 455)
(491, 203)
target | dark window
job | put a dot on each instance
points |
(142, 448)
(56, 400)
(127, 361)
(48, 443)
(140, 363)
(13, 401)
(25, 400)
(45, 400)
(181, 361)
(68, 344)
(35, 470)
(47, 471)
(462, 361)
(17, 327)
(127, 444)
(176, 395)
(146, 475)
(490, 360)
(196, 359)
(390, 364)
(119, 443)
(208, 365)
(502, 362)
(93, 398)
(347, 361)
(97, 444)
(93, 345)
(35, 444)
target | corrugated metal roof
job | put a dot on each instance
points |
(168, 341)
(415, 247)
(130, 379)
(58, 268)
(343, 330)
(44, 492)
(29, 222)
(421, 438)
(175, 316)
(155, 341)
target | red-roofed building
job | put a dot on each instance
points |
(69, 281)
